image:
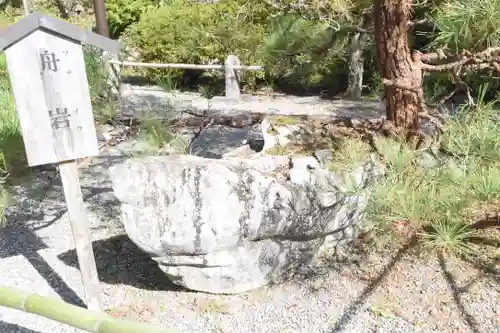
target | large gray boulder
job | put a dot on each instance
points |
(232, 225)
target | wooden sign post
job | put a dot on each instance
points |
(47, 72)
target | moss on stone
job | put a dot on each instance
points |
(285, 120)
(277, 151)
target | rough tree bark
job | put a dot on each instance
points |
(401, 73)
(357, 60)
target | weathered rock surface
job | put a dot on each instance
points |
(248, 219)
(232, 225)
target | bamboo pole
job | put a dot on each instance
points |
(72, 315)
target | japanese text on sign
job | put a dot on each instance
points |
(49, 61)
(59, 118)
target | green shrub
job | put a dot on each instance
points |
(11, 141)
(479, 137)
(187, 32)
(441, 202)
(470, 24)
(100, 86)
(304, 55)
(9, 15)
(465, 25)
(123, 13)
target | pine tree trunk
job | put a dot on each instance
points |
(357, 60)
(396, 65)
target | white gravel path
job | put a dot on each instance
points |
(414, 297)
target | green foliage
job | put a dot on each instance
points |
(333, 12)
(156, 133)
(437, 85)
(12, 156)
(455, 26)
(11, 141)
(358, 155)
(305, 53)
(464, 25)
(9, 15)
(157, 137)
(371, 77)
(99, 86)
(479, 139)
(469, 24)
(303, 46)
(187, 32)
(449, 236)
(12, 11)
(414, 194)
(435, 201)
(123, 13)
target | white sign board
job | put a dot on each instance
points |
(50, 86)
(49, 81)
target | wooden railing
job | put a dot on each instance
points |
(231, 68)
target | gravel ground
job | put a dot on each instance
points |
(411, 294)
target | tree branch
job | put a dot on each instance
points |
(400, 84)
(434, 56)
(489, 58)
(444, 67)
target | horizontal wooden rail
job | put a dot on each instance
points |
(184, 66)
(231, 67)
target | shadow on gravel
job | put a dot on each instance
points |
(97, 194)
(120, 261)
(14, 328)
(457, 296)
(352, 309)
(488, 270)
(28, 216)
(16, 241)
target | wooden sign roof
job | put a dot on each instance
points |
(19, 30)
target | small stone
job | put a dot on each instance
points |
(104, 133)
